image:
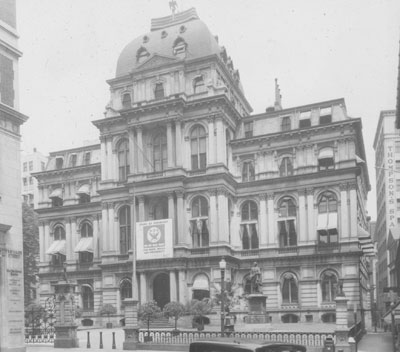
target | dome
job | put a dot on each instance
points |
(164, 34)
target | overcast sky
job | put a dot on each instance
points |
(319, 50)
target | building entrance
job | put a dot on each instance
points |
(161, 292)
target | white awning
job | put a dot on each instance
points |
(325, 111)
(85, 245)
(325, 153)
(327, 221)
(201, 283)
(84, 189)
(56, 193)
(57, 247)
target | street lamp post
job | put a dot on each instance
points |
(222, 267)
(392, 305)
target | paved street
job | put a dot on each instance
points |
(376, 342)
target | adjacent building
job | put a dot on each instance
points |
(31, 163)
(11, 261)
(184, 166)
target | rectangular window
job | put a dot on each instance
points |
(25, 180)
(30, 165)
(248, 129)
(87, 158)
(304, 123)
(25, 166)
(30, 180)
(72, 160)
(325, 119)
(59, 163)
(43, 165)
(326, 164)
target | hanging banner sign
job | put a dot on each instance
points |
(154, 239)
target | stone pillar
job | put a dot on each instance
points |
(110, 164)
(143, 288)
(68, 238)
(263, 233)
(342, 330)
(131, 328)
(223, 224)
(172, 286)
(140, 152)
(182, 286)
(132, 164)
(213, 217)
(271, 220)
(180, 217)
(170, 147)
(353, 210)
(115, 234)
(178, 143)
(103, 158)
(211, 141)
(111, 227)
(312, 236)
(344, 212)
(221, 141)
(303, 233)
(104, 224)
(95, 236)
(171, 215)
(141, 208)
(74, 238)
(42, 243)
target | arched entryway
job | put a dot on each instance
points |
(161, 292)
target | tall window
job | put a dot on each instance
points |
(286, 167)
(285, 124)
(248, 171)
(159, 91)
(160, 153)
(86, 230)
(290, 293)
(58, 258)
(72, 160)
(329, 283)
(198, 85)
(287, 223)
(124, 229)
(249, 225)
(325, 159)
(86, 249)
(248, 129)
(59, 233)
(126, 100)
(86, 160)
(199, 222)
(123, 160)
(327, 219)
(59, 163)
(198, 148)
(125, 289)
(87, 298)
(160, 210)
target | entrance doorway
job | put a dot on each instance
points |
(161, 292)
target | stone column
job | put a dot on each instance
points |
(303, 233)
(111, 227)
(353, 209)
(172, 286)
(312, 236)
(132, 164)
(344, 212)
(170, 146)
(263, 233)
(181, 217)
(110, 163)
(42, 243)
(140, 152)
(46, 239)
(171, 215)
(115, 235)
(213, 217)
(74, 237)
(223, 224)
(178, 143)
(104, 224)
(69, 240)
(221, 141)
(211, 141)
(141, 208)
(342, 330)
(95, 236)
(182, 286)
(143, 288)
(103, 158)
(271, 220)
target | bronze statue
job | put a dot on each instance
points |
(255, 279)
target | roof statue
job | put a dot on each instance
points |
(278, 96)
(173, 6)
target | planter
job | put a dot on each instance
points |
(109, 325)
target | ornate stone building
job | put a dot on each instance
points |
(286, 188)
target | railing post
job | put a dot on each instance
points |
(88, 340)
(101, 340)
(113, 341)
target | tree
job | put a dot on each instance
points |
(148, 312)
(107, 309)
(174, 310)
(30, 229)
(199, 309)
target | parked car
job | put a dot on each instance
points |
(234, 345)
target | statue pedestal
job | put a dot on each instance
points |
(65, 326)
(257, 309)
(131, 324)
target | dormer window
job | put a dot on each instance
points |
(142, 55)
(59, 162)
(305, 119)
(248, 129)
(126, 100)
(285, 124)
(325, 116)
(72, 160)
(159, 91)
(198, 84)
(86, 160)
(179, 48)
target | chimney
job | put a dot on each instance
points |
(278, 97)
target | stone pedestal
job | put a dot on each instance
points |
(65, 326)
(131, 324)
(257, 309)
(342, 329)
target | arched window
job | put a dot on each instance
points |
(56, 198)
(83, 193)
(179, 48)
(287, 223)
(286, 167)
(249, 225)
(290, 292)
(329, 284)
(160, 209)
(126, 100)
(327, 219)
(87, 298)
(198, 85)
(160, 154)
(285, 124)
(59, 233)
(123, 160)
(248, 171)
(141, 55)
(198, 147)
(125, 289)
(124, 216)
(57, 249)
(159, 91)
(85, 244)
(199, 222)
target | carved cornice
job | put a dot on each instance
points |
(343, 186)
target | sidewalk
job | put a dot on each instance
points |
(376, 342)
